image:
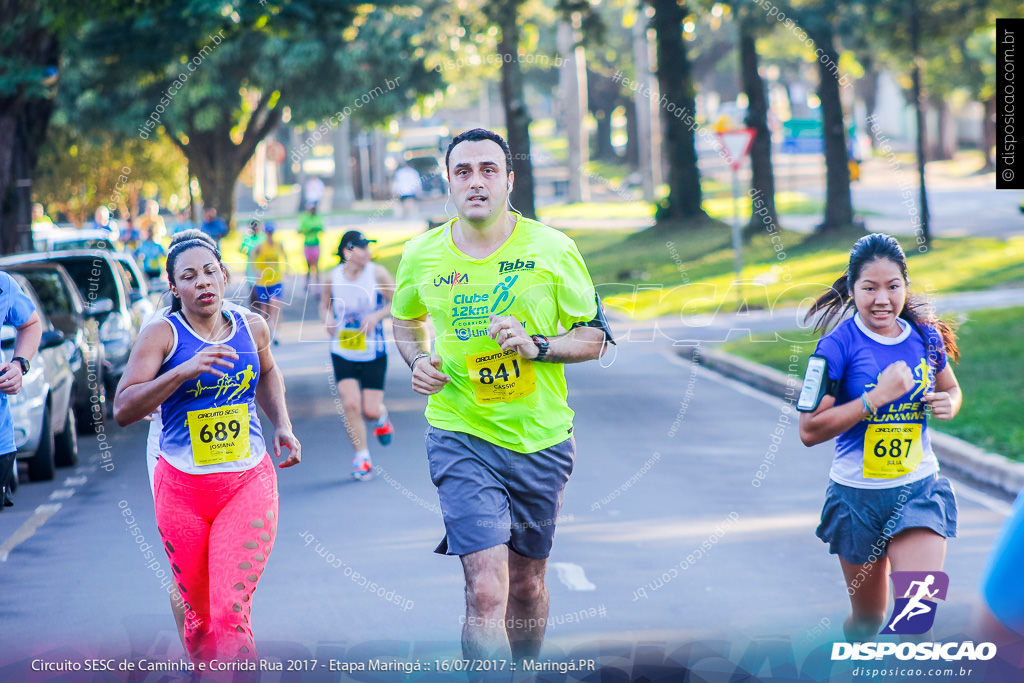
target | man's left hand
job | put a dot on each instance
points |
(509, 334)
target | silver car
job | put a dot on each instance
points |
(43, 414)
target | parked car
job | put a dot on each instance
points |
(62, 239)
(138, 289)
(67, 311)
(103, 285)
(45, 433)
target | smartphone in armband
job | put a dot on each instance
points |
(816, 384)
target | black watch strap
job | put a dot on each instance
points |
(23, 362)
(542, 345)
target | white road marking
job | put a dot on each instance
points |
(75, 481)
(26, 530)
(573, 576)
(61, 494)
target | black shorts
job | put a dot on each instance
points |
(369, 374)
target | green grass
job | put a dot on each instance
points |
(631, 209)
(691, 269)
(387, 251)
(990, 371)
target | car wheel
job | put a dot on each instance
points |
(66, 443)
(41, 466)
(93, 418)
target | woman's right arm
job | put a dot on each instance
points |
(829, 420)
(141, 390)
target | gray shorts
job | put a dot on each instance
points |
(492, 496)
(858, 524)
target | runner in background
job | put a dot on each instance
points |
(269, 265)
(311, 225)
(884, 368)
(358, 301)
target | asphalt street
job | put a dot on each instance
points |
(668, 538)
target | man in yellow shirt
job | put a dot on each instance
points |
(510, 302)
(268, 265)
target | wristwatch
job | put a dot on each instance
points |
(542, 345)
(23, 362)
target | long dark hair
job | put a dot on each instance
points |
(182, 242)
(837, 301)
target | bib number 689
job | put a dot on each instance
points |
(220, 431)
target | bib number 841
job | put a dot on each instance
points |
(500, 373)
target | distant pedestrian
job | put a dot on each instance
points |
(269, 265)
(214, 225)
(877, 373)
(150, 255)
(182, 222)
(358, 302)
(102, 221)
(40, 221)
(314, 190)
(152, 222)
(406, 186)
(255, 238)
(130, 237)
(311, 226)
(17, 310)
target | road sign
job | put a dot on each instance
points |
(735, 145)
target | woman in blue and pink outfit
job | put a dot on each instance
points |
(206, 367)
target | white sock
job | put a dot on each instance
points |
(383, 416)
(361, 456)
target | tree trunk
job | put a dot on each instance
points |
(603, 97)
(945, 134)
(676, 85)
(838, 203)
(762, 182)
(216, 161)
(517, 116)
(988, 134)
(342, 181)
(573, 88)
(23, 124)
(868, 87)
(632, 134)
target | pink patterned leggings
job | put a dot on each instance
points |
(218, 530)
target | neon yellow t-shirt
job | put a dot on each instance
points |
(538, 276)
(268, 264)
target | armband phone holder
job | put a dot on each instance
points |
(816, 384)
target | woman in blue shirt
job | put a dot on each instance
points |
(886, 368)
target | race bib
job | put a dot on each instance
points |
(352, 340)
(892, 450)
(500, 376)
(219, 434)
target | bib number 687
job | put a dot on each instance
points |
(894, 449)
